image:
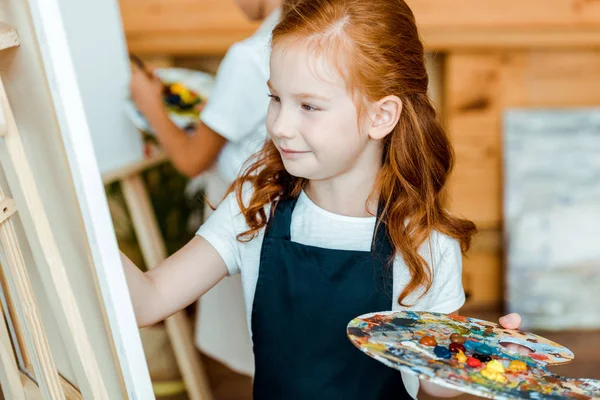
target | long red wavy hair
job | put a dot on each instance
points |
(381, 54)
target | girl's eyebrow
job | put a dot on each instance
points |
(302, 95)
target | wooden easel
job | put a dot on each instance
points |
(154, 252)
(48, 383)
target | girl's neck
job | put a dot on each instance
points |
(350, 193)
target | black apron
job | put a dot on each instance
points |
(305, 297)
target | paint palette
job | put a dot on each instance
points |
(396, 340)
(183, 90)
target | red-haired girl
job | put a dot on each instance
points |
(339, 214)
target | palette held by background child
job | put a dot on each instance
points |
(469, 355)
(184, 93)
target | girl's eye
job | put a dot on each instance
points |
(308, 107)
(274, 98)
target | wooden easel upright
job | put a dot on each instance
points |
(154, 252)
(48, 383)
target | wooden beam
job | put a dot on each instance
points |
(210, 27)
(7, 208)
(59, 286)
(515, 24)
(133, 169)
(17, 278)
(184, 27)
(8, 36)
(496, 15)
(9, 371)
(32, 390)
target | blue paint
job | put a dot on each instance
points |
(442, 352)
(471, 345)
(485, 349)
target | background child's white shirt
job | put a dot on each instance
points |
(314, 226)
(237, 108)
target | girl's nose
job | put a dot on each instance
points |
(282, 127)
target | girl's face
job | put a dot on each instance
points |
(312, 118)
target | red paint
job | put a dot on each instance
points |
(540, 357)
(473, 362)
(454, 347)
(458, 318)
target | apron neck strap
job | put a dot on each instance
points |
(281, 220)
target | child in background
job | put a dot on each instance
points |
(231, 129)
(340, 212)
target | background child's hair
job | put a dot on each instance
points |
(376, 47)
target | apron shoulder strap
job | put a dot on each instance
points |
(280, 221)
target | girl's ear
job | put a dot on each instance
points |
(385, 114)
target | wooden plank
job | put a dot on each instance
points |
(478, 87)
(183, 26)
(14, 327)
(133, 169)
(154, 252)
(8, 37)
(486, 40)
(28, 317)
(119, 368)
(510, 14)
(32, 391)
(7, 208)
(71, 391)
(191, 43)
(16, 271)
(210, 27)
(9, 371)
(60, 282)
(473, 24)
(483, 272)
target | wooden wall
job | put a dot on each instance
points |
(492, 55)
(478, 88)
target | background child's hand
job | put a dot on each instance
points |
(146, 91)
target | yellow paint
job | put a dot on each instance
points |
(374, 346)
(494, 371)
(460, 356)
(186, 95)
(517, 366)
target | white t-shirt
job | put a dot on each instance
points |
(237, 108)
(314, 226)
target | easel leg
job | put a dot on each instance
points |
(154, 252)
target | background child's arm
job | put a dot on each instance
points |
(190, 154)
(175, 283)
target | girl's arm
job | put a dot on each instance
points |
(175, 283)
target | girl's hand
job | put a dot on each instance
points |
(146, 91)
(510, 321)
(513, 321)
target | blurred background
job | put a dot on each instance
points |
(517, 84)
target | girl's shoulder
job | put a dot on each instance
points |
(440, 246)
(234, 209)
